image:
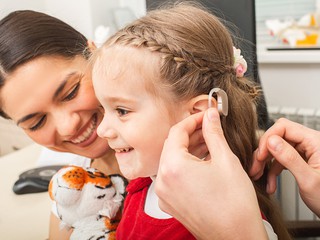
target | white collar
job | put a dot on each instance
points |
(151, 206)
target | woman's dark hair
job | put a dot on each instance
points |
(26, 35)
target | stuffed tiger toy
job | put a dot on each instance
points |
(88, 201)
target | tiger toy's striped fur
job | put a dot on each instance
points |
(88, 201)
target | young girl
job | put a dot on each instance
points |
(154, 73)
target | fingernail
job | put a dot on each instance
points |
(256, 153)
(275, 143)
(268, 188)
(212, 114)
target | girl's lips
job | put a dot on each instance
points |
(122, 150)
(122, 154)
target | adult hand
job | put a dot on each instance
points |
(205, 195)
(197, 145)
(296, 148)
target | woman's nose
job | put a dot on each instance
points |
(105, 130)
(67, 124)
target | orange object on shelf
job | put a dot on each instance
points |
(310, 39)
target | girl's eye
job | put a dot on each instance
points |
(73, 93)
(122, 112)
(39, 124)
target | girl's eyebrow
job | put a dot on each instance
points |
(55, 95)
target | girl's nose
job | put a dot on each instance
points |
(105, 130)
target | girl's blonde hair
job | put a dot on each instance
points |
(196, 55)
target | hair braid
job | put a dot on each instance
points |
(253, 90)
(174, 58)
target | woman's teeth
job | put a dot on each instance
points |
(87, 133)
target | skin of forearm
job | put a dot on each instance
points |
(245, 228)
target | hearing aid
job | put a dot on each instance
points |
(222, 100)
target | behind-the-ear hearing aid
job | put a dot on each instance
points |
(222, 100)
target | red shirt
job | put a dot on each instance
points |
(136, 224)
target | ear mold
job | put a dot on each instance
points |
(222, 100)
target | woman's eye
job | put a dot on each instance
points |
(39, 124)
(122, 112)
(73, 93)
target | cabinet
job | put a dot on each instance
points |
(290, 78)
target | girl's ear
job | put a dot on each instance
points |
(91, 45)
(200, 103)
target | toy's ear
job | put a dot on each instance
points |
(66, 185)
(52, 186)
(119, 183)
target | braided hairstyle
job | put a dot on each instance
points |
(196, 55)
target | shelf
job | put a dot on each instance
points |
(288, 56)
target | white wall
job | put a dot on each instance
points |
(137, 6)
(7, 6)
(84, 15)
(76, 13)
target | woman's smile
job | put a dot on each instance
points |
(88, 133)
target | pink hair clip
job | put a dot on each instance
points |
(240, 64)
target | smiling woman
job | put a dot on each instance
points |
(56, 106)
(66, 112)
(44, 61)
